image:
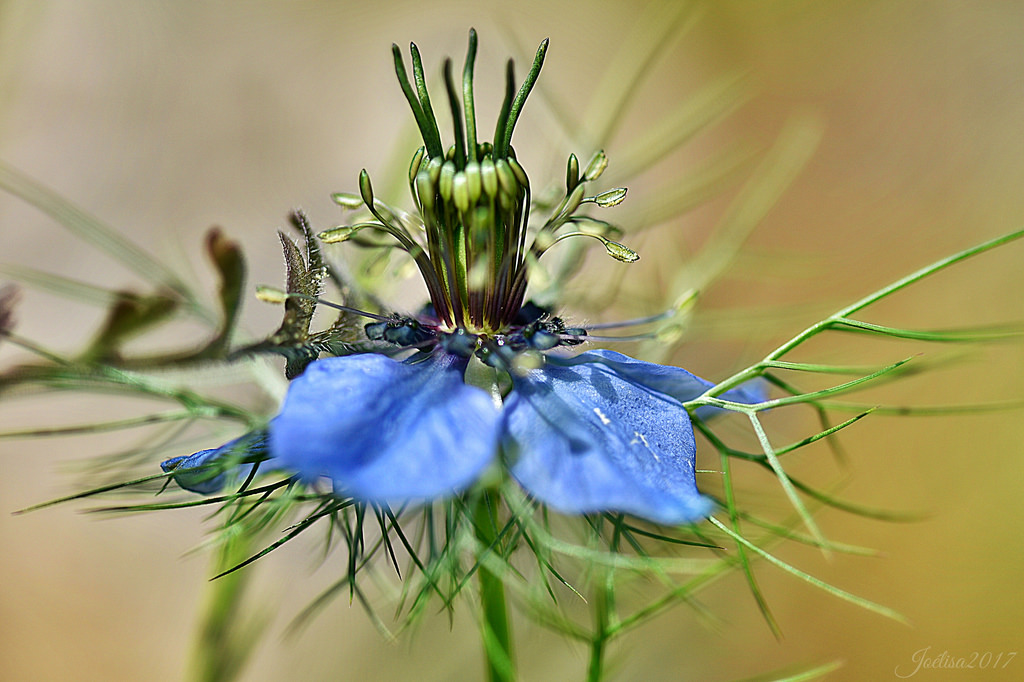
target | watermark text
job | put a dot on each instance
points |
(926, 659)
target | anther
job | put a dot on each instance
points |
(447, 180)
(489, 177)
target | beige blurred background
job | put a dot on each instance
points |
(166, 118)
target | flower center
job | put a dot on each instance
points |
(473, 199)
(475, 209)
(469, 238)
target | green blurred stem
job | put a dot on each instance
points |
(497, 633)
(602, 599)
(226, 636)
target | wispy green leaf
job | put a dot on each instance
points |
(95, 232)
(965, 335)
(797, 675)
(696, 113)
(806, 577)
(100, 427)
(59, 285)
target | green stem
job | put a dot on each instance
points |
(497, 633)
(595, 671)
(226, 635)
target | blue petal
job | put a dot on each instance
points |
(385, 430)
(584, 437)
(672, 381)
(207, 471)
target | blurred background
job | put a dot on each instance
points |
(166, 118)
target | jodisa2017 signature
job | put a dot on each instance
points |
(976, 660)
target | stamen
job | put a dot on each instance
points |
(682, 303)
(634, 322)
(634, 337)
(619, 252)
(430, 278)
(274, 295)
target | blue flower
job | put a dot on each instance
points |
(586, 434)
(596, 432)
